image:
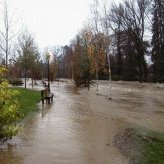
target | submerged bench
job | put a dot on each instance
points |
(46, 95)
(16, 83)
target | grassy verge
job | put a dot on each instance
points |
(142, 146)
(28, 100)
(151, 145)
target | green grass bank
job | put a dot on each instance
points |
(28, 100)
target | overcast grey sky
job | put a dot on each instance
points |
(53, 22)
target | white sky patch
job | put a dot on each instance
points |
(53, 22)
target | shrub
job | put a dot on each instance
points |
(9, 111)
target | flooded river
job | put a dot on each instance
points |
(79, 126)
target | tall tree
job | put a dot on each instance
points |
(133, 14)
(96, 19)
(77, 61)
(115, 23)
(158, 40)
(68, 61)
(28, 54)
(81, 58)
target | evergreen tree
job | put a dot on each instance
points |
(158, 40)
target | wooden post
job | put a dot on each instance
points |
(42, 94)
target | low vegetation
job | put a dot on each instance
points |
(142, 146)
(10, 112)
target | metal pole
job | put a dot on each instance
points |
(25, 83)
(58, 71)
(97, 84)
(97, 76)
(110, 79)
(25, 79)
(48, 77)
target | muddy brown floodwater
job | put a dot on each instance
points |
(79, 126)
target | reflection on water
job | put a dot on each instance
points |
(8, 155)
(67, 131)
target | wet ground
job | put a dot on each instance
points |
(79, 126)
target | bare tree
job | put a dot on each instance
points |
(6, 33)
(105, 26)
(28, 55)
(95, 19)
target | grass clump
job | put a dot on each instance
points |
(152, 147)
(141, 145)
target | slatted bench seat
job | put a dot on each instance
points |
(46, 95)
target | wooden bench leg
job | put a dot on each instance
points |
(48, 100)
(42, 100)
(52, 99)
